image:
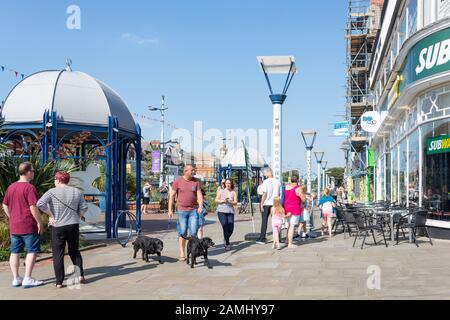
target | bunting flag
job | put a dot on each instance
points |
(14, 72)
(140, 117)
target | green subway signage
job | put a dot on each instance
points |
(428, 57)
(438, 145)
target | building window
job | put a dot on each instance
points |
(413, 168)
(435, 104)
(436, 171)
(402, 32)
(443, 9)
(412, 17)
(394, 174)
(388, 171)
(403, 171)
(429, 12)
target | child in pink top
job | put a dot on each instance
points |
(278, 215)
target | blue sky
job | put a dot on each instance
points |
(201, 54)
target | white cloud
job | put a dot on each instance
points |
(139, 40)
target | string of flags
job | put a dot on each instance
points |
(140, 117)
(17, 74)
(143, 117)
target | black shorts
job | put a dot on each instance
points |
(146, 201)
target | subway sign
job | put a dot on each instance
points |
(428, 57)
(438, 145)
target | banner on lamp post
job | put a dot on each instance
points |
(156, 161)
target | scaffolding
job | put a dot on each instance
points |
(363, 25)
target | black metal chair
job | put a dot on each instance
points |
(365, 225)
(350, 219)
(414, 221)
(340, 220)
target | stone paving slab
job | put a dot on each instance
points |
(315, 269)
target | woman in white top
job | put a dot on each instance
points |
(227, 200)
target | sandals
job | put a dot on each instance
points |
(181, 259)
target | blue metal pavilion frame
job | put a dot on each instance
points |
(227, 172)
(52, 133)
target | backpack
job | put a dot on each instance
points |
(327, 207)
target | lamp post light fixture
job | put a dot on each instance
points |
(162, 110)
(284, 65)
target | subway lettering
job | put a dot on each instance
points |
(434, 55)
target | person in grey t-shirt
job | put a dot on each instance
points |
(65, 206)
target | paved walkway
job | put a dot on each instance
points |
(318, 269)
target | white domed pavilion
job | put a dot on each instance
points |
(50, 109)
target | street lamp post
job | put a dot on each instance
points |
(161, 110)
(278, 65)
(324, 168)
(319, 158)
(309, 137)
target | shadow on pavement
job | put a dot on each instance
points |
(115, 271)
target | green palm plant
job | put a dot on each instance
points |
(43, 181)
(100, 182)
(44, 172)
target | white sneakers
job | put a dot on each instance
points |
(17, 282)
(28, 283)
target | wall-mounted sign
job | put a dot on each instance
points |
(342, 129)
(371, 121)
(428, 57)
(438, 145)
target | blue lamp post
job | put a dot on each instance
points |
(284, 65)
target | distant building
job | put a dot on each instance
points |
(363, 24)
(207, 165)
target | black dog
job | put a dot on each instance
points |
(198, 247)
(148, 246)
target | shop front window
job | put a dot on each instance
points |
(436, 172)
(435, 104)
(388, 172)
(394, 174)
(402, 171)
(382, 179)
(413, 176)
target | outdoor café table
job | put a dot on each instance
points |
(390, 214)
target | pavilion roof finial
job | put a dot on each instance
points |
(68, 64)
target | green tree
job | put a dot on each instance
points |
(288, 174)
(337, 174)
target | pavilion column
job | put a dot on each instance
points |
(138, 177)
(122, 205)
(109, 159)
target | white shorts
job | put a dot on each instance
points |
(294, 220)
